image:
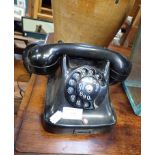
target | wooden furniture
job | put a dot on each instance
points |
(32, 139)
(130, 37)
(95, 22)
(20, 70)
(38, 11)
(135, 9)
(20, 42)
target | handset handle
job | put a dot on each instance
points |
(42, 59)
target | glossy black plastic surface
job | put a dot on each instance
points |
(25, 55)
(42, 59)
(79, 77)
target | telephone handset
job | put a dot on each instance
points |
(79, 78)
(42, 59)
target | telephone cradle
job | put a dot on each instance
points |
(77, 95)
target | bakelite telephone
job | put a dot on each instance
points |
(77, 95)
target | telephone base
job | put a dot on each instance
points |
(99, 120)
(62, 115)
(71, 127)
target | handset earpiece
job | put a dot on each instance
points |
(25, 55)
(42, 59)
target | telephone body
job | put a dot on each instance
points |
(79, 76)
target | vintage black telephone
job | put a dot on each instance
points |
(77, 96)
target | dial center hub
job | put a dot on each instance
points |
(89, 88)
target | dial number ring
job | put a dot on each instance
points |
(85, 84)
